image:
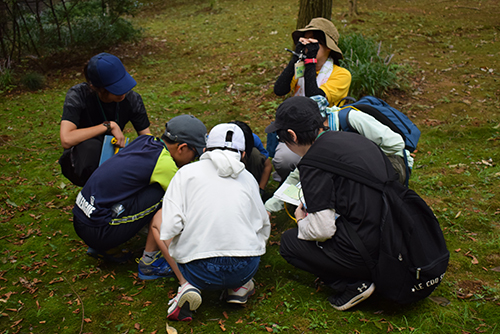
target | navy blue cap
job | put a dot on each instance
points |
(107, 71)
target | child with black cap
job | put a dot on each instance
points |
(102, 105)
(321, 244)
(125, 193)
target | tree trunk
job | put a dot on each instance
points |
(353, 8)
(309, 9)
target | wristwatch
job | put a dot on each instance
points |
(107, 124)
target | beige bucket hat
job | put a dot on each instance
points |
(325, 26)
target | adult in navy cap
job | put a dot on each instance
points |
(102, 105)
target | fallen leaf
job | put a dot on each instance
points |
(464, 296)
(221, 325)
(171, 330)
(130, 299)
(225, 315)
(137, 326)
(440, 300)
(497, 269)
(16, 323)
(56, 280)
(87, 320)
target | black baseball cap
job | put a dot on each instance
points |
(298, 113)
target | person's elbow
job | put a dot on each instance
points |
(279, 91)
(65, 143)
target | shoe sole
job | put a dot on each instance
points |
(191, 296)
(181, 313)
(240, 299)
(356, 300)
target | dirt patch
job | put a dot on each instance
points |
(468, 288)
(4, 139)
(493, 259)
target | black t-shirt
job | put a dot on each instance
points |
(360, 205)
(83, 108)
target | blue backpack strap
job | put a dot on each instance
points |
(343, 121)
(272, 143)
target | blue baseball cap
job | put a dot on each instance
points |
(107, 71)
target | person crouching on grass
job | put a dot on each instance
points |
(321, 243)
(125, 193)
(214, 224)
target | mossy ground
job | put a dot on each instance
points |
(218, 61)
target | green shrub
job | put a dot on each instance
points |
(6, 78)
(81, 25)
(33, 81)
(372, 73)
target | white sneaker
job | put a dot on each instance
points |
(188, 299)
(240, 295)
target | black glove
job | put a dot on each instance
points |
(312, 50)
(299, 47)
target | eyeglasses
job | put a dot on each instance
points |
(196, 155)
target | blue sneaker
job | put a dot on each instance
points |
(154, 268)
(112, 255)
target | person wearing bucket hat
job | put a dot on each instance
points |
(314, 69)
(213, 224)
(104, 104)
(125, 193)
(318, 71)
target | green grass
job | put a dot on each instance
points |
(218, 60)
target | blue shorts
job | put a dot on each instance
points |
(219, 273)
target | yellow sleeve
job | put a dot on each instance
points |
(164, 170)
(293, 84)
(337, 86)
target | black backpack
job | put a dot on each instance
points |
(413, 256)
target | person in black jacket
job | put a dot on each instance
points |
(321, 244)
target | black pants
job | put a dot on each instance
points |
(310, 257)
(135, 212)
(80, 161)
